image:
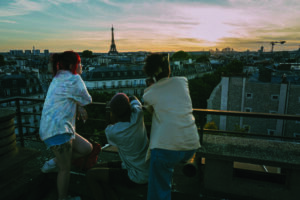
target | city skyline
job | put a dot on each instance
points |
(170, 25)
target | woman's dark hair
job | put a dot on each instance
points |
(157, 65)
(62, 61)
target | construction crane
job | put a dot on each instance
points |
(274, 42)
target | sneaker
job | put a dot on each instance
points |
(47, 168)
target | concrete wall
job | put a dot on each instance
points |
(293, 107)
(221, 176)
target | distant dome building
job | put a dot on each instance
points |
(23, 85)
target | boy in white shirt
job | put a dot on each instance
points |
(174, 137)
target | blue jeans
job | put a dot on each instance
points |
(162, 163)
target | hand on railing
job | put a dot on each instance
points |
(131, 98)
(81, 112)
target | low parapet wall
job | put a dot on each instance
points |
(221, 175)
(12, 158)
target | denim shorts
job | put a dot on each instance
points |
(58, 139)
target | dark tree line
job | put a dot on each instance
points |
(2, 61)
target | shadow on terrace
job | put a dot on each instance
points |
(230, 164)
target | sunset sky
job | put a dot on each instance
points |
(149, 25)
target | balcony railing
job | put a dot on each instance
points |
(15, 103)
(224, 160)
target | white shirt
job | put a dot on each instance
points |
(59, 112)
(132, 142)
(173, 123)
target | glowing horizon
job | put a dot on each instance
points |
(170, 25)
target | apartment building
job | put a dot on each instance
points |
(248, 95)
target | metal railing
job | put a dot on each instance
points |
(204, 112)
(201, 112)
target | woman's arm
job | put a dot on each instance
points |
(80, 93)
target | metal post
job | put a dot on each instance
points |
(202, 122)
(107, 113)
(19, 122)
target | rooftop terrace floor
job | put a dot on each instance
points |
(34, 185)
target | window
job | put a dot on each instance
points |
(298, 121)
(23, 90)
(246, 128)
(30, 89)
(249, 95)
(127, 83)
(297, 135)
(14, 92)
(275, 97)
(7, 92)
(271, 132)
(247, 109)
(113, 84)
(26, 119)
(272, 111)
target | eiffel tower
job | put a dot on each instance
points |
(113, 49)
